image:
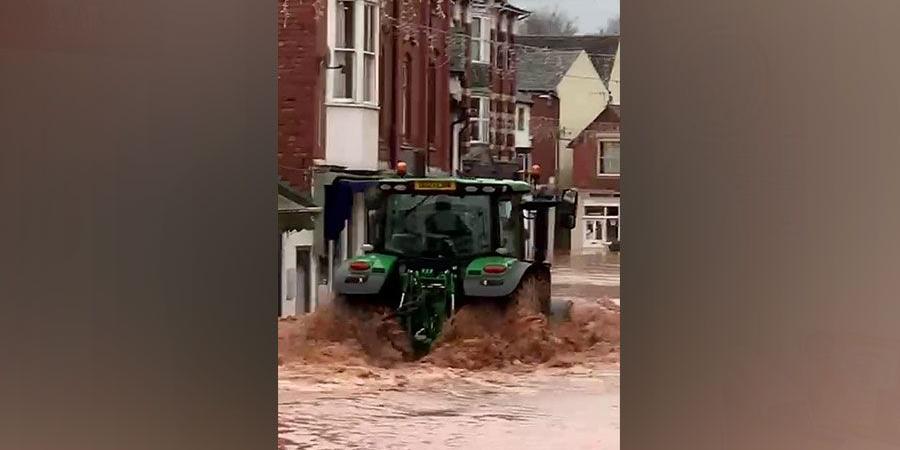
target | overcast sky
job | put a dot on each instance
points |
(590, 14)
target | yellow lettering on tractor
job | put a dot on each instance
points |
(435, 185)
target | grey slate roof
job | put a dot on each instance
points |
(601, 49)
(543, 70)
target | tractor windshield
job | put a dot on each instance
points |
(438, 225)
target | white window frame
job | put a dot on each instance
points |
(483, 40)
(359, 52)
(601, 220)
(483, 118)
(600, 172)
(522, 116)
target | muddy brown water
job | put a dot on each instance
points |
(497, 379)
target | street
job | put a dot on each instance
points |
(338, 400)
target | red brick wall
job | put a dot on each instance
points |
(301, 90)
(584, 160)
(544, 127)
(503, 86)
(430, 127)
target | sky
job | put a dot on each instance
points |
(590, 14)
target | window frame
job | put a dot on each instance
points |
(603, 221)
(364, 71)
(522, 118)
(483, 118)
(482, 40)
(601, 158)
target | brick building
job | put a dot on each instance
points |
(483, 73)
(302, 62)
(596, 175)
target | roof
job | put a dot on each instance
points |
(600, 49)
(506, 5)
(289, 193)
(523, 98)
(543, 70)
(610, 114)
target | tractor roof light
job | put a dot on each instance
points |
(359, 266)
(494, 269)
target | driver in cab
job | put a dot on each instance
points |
(446, 222)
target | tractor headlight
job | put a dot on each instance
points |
(488, 189)
(400, 187)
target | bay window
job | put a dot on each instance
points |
(354, 45)
(480, 124)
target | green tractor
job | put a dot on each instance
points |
(438, 244)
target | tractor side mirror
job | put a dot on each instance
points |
(570, 196)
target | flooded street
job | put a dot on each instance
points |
(338, 400)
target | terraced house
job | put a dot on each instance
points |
(483, 86)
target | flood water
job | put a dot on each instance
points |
(347, 404)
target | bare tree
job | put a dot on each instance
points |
(611, 28)
(547, 21)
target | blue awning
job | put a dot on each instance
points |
(339, 204)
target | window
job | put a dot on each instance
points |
(354, 65)
(420, 225)
(480, 124)
(432, 102)
(481, 42)
(608, 158)
(521, 118)
(369, 29)
(406, 104)
(510, 226)
(601, 225)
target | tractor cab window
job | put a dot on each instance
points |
(509, 220)
(438, 225)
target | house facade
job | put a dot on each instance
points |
(597, 156)
(484, 94)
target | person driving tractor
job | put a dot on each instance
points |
(445, 221)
